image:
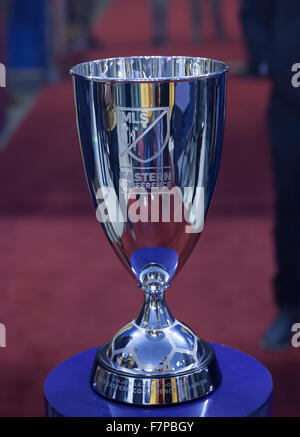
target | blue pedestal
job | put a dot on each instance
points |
(246, 390)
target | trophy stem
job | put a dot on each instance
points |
(155, 359)
(155, 313)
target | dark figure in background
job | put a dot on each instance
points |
(160, 13)
(196, 20)
(80, 16)
(272, 31)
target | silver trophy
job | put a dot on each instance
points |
(151, 132)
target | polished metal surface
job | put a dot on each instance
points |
(151, 132)
(154, 390)
(155, 360)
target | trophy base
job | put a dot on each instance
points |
(149, 390)
(246, 391)
(155, 360)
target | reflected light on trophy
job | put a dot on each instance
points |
(151, 133)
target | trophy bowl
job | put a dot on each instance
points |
(151, 133)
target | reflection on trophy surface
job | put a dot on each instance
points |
(151, 132)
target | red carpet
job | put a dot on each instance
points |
(63, 291)
(57, 293)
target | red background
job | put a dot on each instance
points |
(62, 288)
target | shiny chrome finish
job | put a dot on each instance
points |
(147, 126)
(154, 390)
(155, 360)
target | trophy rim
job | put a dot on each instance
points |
(224, 69)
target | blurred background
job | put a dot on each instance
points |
(62, 289)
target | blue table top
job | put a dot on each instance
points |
(246, 390)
